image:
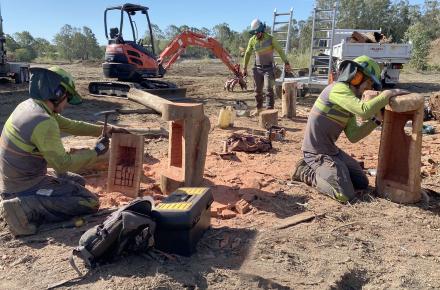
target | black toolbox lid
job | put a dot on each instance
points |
(183, 208)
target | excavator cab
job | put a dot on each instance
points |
(129, 56)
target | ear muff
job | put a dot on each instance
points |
(357, 79)
(59, 92)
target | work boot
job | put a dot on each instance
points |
(256, 112)
(303, 172)
(14, 215)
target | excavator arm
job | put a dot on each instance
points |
(189, 38)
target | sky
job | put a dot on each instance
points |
(44, 18)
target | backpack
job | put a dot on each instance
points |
(127, 230)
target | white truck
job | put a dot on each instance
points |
(391, 56)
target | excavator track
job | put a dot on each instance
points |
(120, 89)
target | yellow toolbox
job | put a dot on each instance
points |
(182, 218)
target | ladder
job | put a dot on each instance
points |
(321, 48)
(281, 31)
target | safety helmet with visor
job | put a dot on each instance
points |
(52, 84)
(368, 66)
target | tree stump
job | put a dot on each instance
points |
(268, 118)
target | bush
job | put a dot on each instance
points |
(419, 38)
(24, 54)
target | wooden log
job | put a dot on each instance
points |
(406, 103)
(268, 118)
(288, 105)
(146, 132)
(359, 37)
(149, 100)
(182, 111)
(398, 171)
(189, 129)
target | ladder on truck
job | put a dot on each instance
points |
(321, 48)
(281, 31)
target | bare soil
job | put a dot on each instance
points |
(371, 244)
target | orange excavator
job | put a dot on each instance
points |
(134, 61)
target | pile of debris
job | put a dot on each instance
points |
(369, 37)
(228, 211)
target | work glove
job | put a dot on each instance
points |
(112, 130)
(102, 145)
(244, 72)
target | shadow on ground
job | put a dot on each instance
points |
(222, 248)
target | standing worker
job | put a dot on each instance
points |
(325, 166)
(31, 141)
(263, 44)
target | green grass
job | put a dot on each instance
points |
(299, 60)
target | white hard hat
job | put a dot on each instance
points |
(255, 24)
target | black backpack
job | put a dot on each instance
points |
(127, 230)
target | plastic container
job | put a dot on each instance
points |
(226, 117)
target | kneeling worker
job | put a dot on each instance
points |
(30, 142)
(325, 166)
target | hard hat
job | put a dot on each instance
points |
(257, 26)
(68, 83)
(51, 84)
(368, 66)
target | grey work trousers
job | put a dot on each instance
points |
(264, 78)
(336, 175)
(56, 198)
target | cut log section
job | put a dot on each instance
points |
(268, 118)
(125, 166)
(288, 105)
(398, 171)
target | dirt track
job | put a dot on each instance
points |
(373, 243)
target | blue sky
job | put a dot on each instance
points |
(44, 18)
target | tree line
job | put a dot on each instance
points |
(399, 20)
(71, 43)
